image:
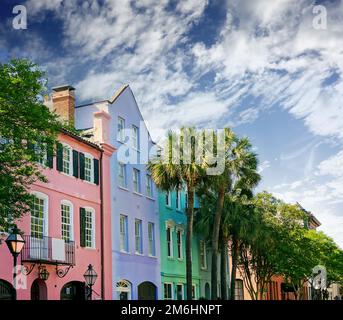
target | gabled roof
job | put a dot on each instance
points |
(118, 93)
(114, 97)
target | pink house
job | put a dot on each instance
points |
(69, 226)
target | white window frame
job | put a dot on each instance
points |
(126, 238)
(182, 291)
(92, 212)
(135, 137)
(178, 199)
(138, 172)
(171, 290)
(139, 236)
(122, 165)
(170, 242)
(91, 158)
(121, 133)
(45, 198)
(152, 242)
(179, 231)
(38, 149)
(168, 199)
(71, 226)
(67, 146)
(204, 253)
(194, 286)
(150, 185)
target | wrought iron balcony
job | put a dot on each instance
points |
(48, 250)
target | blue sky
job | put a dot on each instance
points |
(259, 66)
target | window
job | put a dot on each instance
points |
(66, 160)
(122, 175)
(239, 295)
(168, 198)
(168, 291)
(41, 153)
(169, 242)
(179, 291)
(121, 130)
(66, 219)
(151, 236)
(38, 212)
(123, 289)
(203, 256)
(179, 244)
(194, 292)
(136, 181)
(138, 236)
(89, 171)
(135, 137)
(149, 192)
(89, 229)
(178, 199)
(124, 243)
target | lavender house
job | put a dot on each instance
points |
(135, 220)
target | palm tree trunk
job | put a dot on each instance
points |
(189, 237)
(215, 238)
(234, 267)
(223, 268)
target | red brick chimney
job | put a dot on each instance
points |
(63, 103)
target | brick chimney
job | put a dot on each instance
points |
(63, 103)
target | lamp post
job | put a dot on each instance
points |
(15, 244)
(90, 277)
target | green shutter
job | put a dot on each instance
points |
(96, 171)
(50, 157)
(59, 157)
(82, 227)
(82, 166)
(75, 164)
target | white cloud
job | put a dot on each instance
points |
(263, 166)
(332, 166)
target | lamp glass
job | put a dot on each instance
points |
(90, 276)
(15, 242)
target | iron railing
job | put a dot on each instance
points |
(41, 250)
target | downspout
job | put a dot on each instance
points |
(102, 228)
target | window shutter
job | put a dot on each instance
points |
(96, 171)
(82, 166)
(82, 227)
(75, 164)
(59, 157)
(50, 157)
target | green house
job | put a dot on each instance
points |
(173, 222)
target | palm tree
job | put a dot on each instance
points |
(240, 165)
(177, 168)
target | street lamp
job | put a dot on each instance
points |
(43, 273)
(15, 244)
(90, 277)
